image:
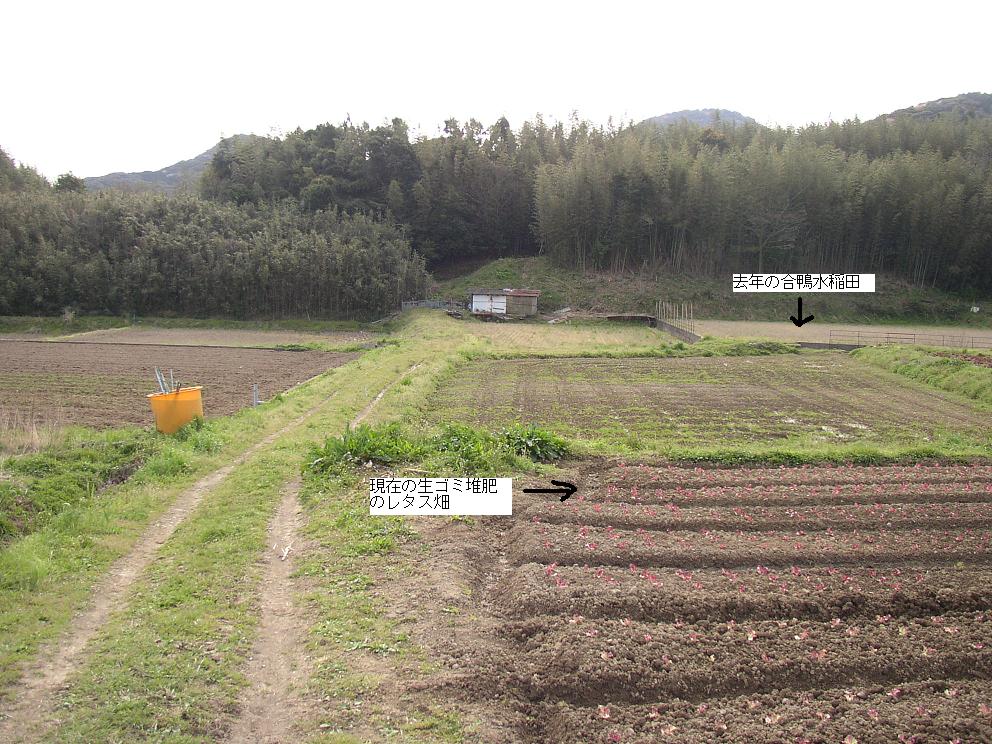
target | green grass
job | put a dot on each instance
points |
(957, 376)
(895, 301)
(320, 346)
(36, 488)
(58, 326)
(665, 349)
(455, 448)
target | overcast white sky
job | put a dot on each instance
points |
(94, 87)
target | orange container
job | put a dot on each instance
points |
(174, 410)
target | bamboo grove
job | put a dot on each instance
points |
(155, 255)
(339, 221)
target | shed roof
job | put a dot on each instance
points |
(508, 292)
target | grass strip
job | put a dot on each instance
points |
(958, 376)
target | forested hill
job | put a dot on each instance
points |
(966, 105)
(909, 197)
(166, 180)
(700, 117)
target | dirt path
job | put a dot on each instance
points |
(273, 704)
(33, 697)
(277, 668)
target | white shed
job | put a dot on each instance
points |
(489, 303)
(508, 302)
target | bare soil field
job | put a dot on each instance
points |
(106, 385)
(219, 337)
(721, 622)
(822, 397)
(819, 332)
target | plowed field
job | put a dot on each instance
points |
(105, 385)
(817, 398)
(818, 604)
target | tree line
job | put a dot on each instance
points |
(905, 197)
(339, 220)
(146, 254)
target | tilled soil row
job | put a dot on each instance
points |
(674, 477)
(796, 496)
(759, 518)
(623, 661)
(645, 613)
(934, 711)
(571, 545)
(666, 595)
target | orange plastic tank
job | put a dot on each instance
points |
(174, 410)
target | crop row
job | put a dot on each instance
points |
(842, 475)
(790, 494)
(571, 544)
(624, 660)
(746, 517)
(693, 595)
(948, 711)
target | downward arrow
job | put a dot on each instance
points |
(799, 313)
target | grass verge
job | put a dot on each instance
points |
(37, 488)
(957, 376)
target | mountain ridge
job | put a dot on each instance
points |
(700, 117)
(963, 105)
(164, 180)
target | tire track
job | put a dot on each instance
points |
(273, 704)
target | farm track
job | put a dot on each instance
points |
(742, 604)
(277, 671)
(273, 705)
(34, 696)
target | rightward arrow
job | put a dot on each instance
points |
(798, 318)
(564, 488)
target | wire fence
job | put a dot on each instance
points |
(677, 319)
(447, 304)
(873, 338)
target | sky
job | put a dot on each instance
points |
(94, 87)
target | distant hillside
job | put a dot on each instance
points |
(965, 106)
(167, 179)
(700, 117)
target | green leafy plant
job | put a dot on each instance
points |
(535, 443)
(382, 445)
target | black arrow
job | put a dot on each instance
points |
(799, 323)
(565, 489)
